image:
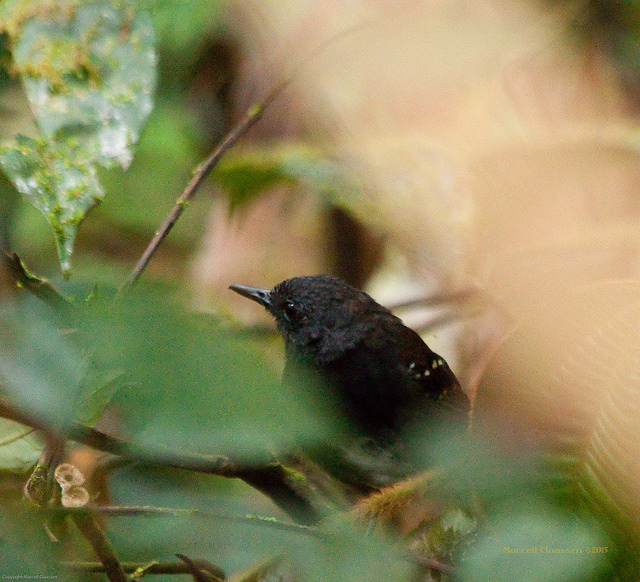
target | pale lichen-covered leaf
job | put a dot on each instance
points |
(58, 180)
(89, 75)
(89, 71)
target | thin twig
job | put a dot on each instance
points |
(202, 570)
(90, 529)
(145, 568)
(431, 564)
(258, 520)
(273, 480)
(250, 118)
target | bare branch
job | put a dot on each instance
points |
(90, 529)
(202, 171)
(251, 117)
(131, 567)
(258, 520)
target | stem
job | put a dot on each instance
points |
(257, 520)
(251, 117)
(145, 568)
(202, 570)
(41, 288)
(101, 546)
(272, 479)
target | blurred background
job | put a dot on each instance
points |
(472, 162)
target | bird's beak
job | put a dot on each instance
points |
(261, 296)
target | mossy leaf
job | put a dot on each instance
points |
(90, 75)
(56, 180)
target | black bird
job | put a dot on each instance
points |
(381, 373)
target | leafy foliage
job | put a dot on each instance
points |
(533, 541)
(89, 75)
(188, 384)
(20, 447)
(42, 369)
(244, 174)
(25, 551)
(192, 388)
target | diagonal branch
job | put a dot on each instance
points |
(90, 529)
(272, 479)
(251, 117)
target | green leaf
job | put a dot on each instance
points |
(246, 173)
(57, 180)
(345, 552)
(340, 551)
(98, 389)
(89, 75)
(41, 368)
(20, 447)
(528, 540)
(184, 25)
(194, 387)
(26, 552)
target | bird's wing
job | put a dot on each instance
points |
(391, 375)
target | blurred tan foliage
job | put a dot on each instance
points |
(480, 134)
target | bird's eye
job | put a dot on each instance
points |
(291, 311)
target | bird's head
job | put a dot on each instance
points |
(316, 315)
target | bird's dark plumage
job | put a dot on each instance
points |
(382, 373)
